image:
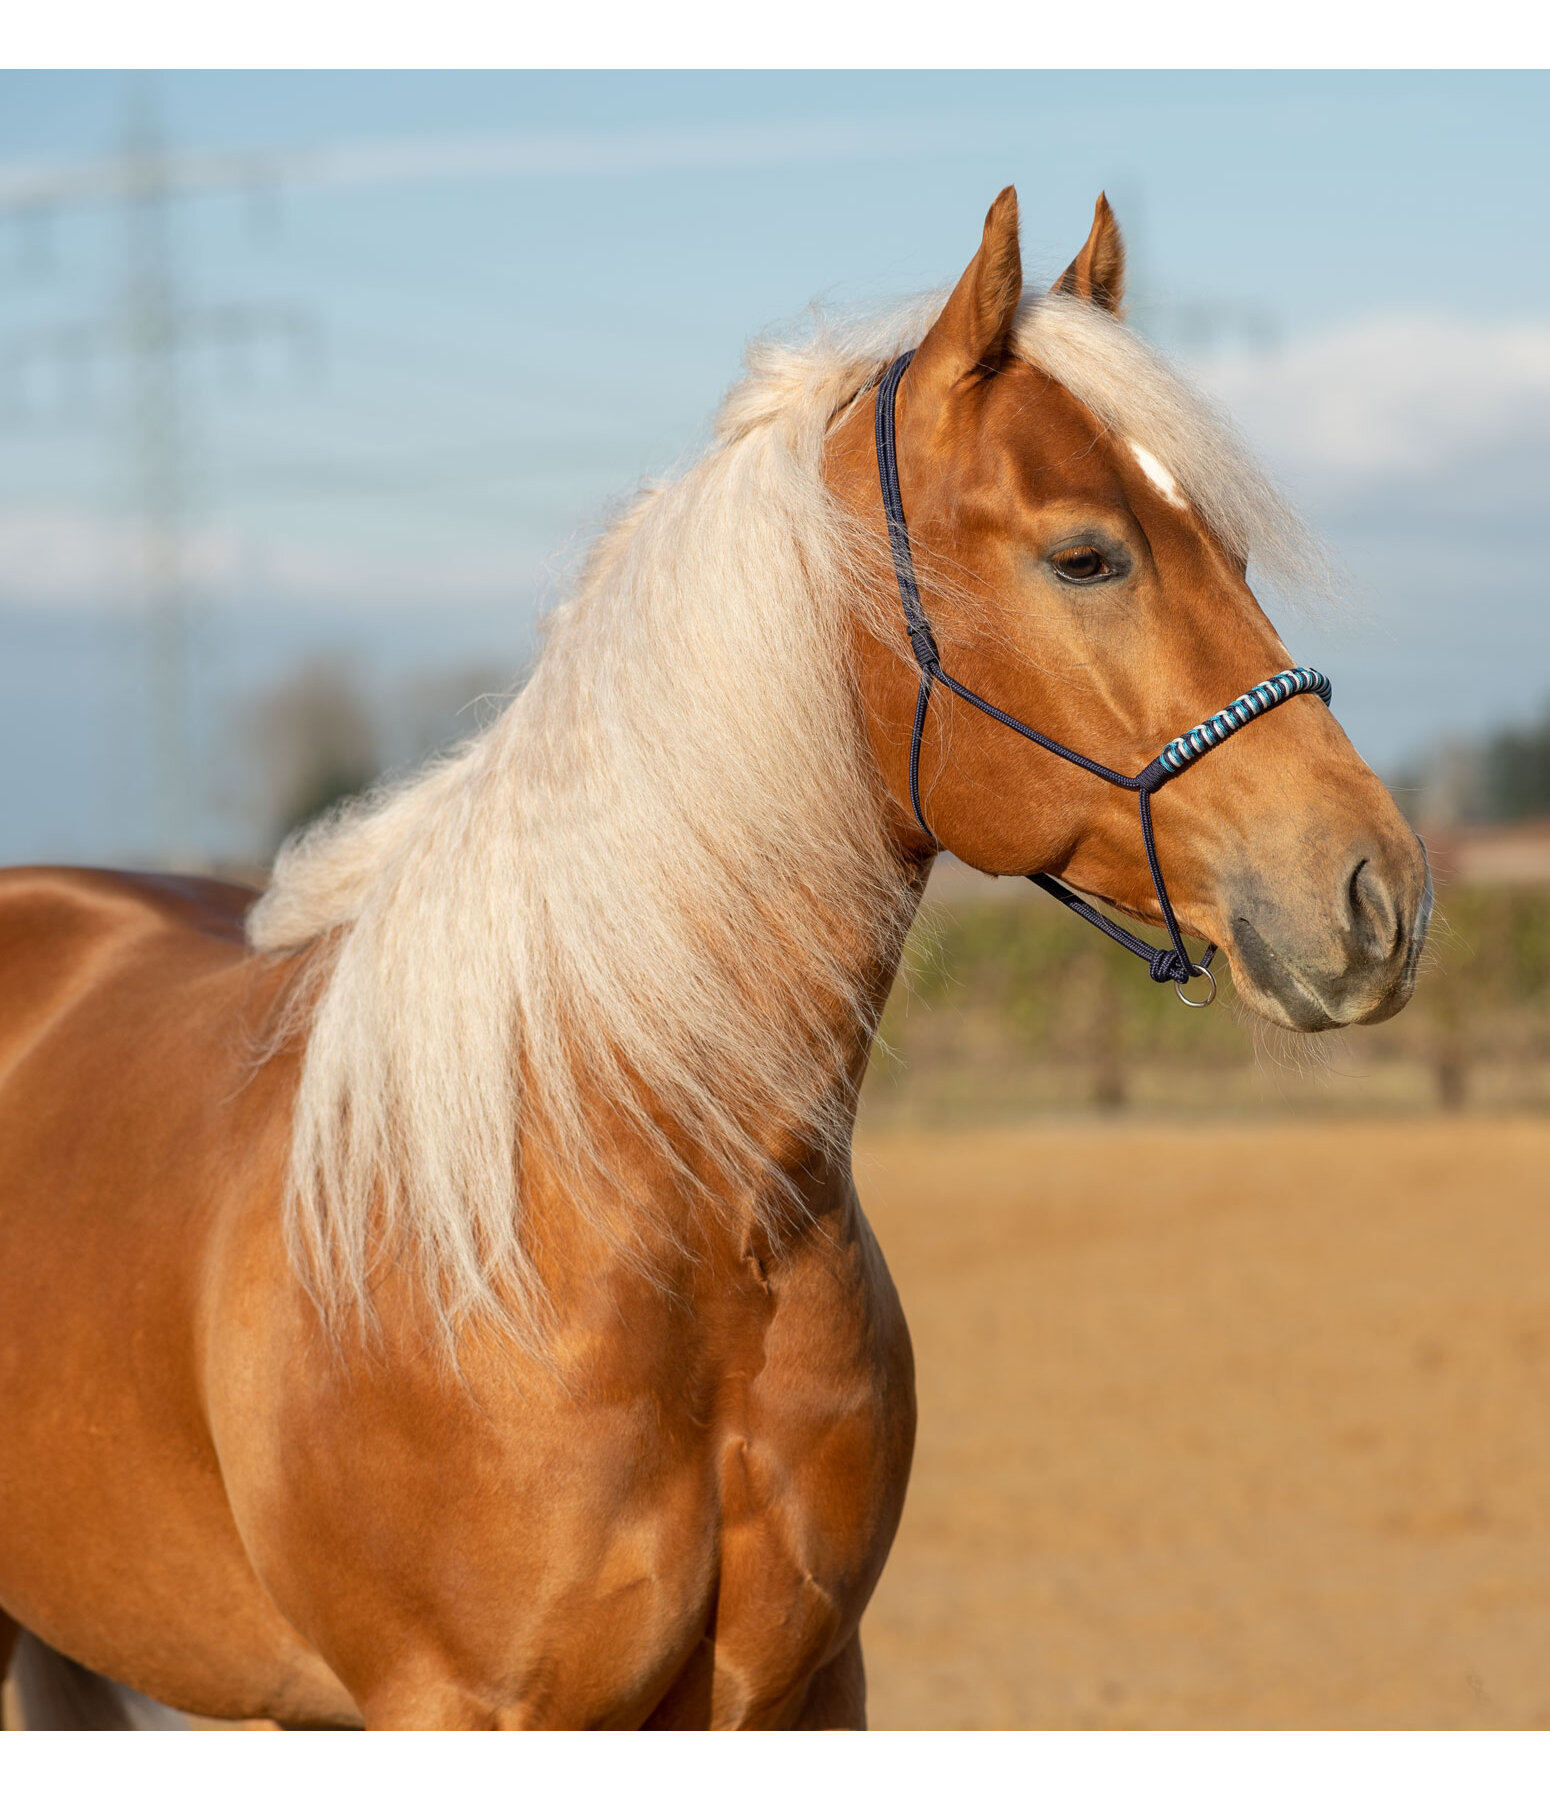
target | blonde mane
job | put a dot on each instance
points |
(655, 887)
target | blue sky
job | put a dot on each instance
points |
(517, 294)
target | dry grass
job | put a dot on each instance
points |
(1221, 1427)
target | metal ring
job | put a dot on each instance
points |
(1197, 969)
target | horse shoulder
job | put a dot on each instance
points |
(679, 1523)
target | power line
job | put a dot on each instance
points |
(152, 327)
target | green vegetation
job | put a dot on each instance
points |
(1008, 1006)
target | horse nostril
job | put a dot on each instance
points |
(1374, 916)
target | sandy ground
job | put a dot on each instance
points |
(1221, 1427)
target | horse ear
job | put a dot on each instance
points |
(1098, 271)
(971, 333)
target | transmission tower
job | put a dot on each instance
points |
(152, 327)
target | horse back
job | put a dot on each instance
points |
(130, 1014)
(64, 932)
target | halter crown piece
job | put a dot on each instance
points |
(1172, 962)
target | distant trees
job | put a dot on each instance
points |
(1491, 781)
(310, 741)
(1516, 771)
(320, 734)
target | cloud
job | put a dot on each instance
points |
(497, 154)
(62, 556)
(52, 554)
(1421, 448)
(1399, 414)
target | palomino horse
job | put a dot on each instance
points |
(436, 1294)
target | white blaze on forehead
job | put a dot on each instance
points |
(1159, 477)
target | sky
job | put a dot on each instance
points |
(445, 323)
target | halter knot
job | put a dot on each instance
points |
(1168, 965)
(926, 653)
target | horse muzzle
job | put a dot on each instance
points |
(1348, 956)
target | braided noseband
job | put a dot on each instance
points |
(1171, 963)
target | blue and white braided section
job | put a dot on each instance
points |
(1178, 755)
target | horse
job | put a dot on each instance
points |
(434, 1291)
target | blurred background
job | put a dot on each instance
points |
(312, 388)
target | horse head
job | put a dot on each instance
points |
(1093, 582)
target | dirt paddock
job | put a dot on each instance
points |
(1221, 1426)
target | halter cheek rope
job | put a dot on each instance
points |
(1171, 963)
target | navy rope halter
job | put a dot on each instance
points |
(1172, 962)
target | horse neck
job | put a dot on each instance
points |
(805, 1151)
(630, 1237)
(697, 712)
(634, 942)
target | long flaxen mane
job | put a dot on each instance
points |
(655, 886)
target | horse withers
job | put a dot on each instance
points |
(434, 1293)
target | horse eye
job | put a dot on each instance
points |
(1081, 563)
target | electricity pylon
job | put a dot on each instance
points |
(152, 327)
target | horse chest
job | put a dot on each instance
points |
(690, 1536)
(754, 1471)
(811, 1467)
